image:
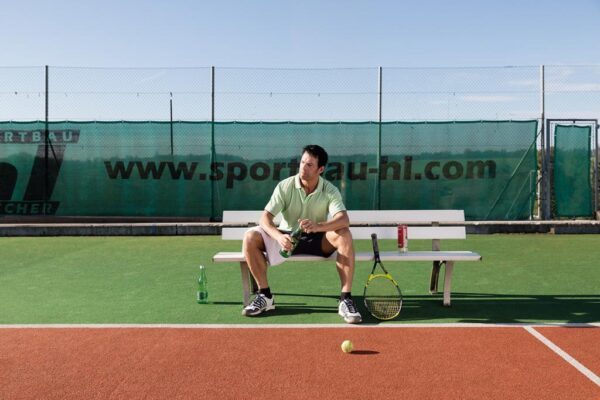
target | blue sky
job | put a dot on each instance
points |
(327, 34)
(310, 33)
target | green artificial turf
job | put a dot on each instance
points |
(522, 278)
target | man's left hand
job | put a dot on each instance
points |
(309, 226)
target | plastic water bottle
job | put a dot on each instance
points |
(202, 296)
(295, 240)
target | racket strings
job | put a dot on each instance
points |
(383, 298)
(384, 308)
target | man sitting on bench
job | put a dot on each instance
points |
(303, 200)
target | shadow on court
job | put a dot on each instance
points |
(466, 307)
(501, 308)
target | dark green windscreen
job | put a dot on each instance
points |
(487, 168)
(572, 161)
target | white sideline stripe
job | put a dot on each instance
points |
(580, 367)
(291, 326)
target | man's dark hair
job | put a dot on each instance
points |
(316, 151)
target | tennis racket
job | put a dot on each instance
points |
(382, 294)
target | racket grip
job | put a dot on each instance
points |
(374, 241)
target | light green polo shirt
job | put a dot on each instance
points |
(291, 201)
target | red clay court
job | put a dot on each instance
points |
(300, 362)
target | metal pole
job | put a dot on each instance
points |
(546, 198)
(542, 186)
(212, 145)
(596, 215)
(380, 112)
(46, 144)
(171, 119)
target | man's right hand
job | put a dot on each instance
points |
(285, 241)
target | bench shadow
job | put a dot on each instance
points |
(466, 308)
(284, 307)
(496, 308)
(291, 309)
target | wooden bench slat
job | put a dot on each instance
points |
(362, 216)
(414, 232)
(244, 217)
(233, 233)
(406, 216)
(436, 232)
(237, 256)
(383, 232)
(430, 256)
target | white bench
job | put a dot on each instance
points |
(422, 224)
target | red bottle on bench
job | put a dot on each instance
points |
(402, 238)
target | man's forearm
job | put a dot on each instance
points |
(334, 224)
(266, 222)
(339, 221)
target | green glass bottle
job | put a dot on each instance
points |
(295, 240)
(202, 295)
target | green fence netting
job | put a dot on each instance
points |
(572, 173)
(199, 169)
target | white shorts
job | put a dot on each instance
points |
(271, 245)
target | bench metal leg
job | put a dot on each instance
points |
(448, 282)
(435, 273)
(248, 282)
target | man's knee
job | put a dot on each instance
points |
(253, 240)
(344, 234)
(340, 237)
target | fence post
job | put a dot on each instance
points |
(171, 120)
(545, 195)
(380, 112)
(46, 141)
(597, 164)
(213, 155)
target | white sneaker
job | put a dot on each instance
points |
(260, 304)
(348, 311)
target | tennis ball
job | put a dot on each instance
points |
(347, 346)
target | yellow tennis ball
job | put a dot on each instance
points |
(347, 346)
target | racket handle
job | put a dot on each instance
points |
(375, 245)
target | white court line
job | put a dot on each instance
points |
(580, 367)
(291, 326)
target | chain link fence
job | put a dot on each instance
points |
(217, 128)
(22, 93)
(464, 94)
